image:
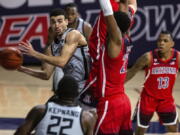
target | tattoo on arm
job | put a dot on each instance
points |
(142, 62)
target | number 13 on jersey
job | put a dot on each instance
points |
(163, 82)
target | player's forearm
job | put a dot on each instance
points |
(130, 75)
(53, 60)
(35, 73)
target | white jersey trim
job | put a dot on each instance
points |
(103, 117)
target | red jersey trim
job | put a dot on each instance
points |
(165, 61)
(151, 59)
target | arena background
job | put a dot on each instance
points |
(28, 20)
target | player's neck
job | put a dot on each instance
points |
(60, 35)
(73, 25)
(165, 56)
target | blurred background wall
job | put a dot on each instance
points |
(28, 20)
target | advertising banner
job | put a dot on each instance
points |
(22, 20)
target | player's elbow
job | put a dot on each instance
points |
(45, 77)
(62, 63)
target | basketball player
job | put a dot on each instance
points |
(97, 39)
(113, 108)
(74, 21)
(161, 67)
(61, 117)
(66, 53)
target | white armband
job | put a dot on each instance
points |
(106, 7)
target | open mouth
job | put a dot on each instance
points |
(160, 48)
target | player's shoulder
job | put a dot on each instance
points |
(73, 33)
(36, 113)
(147, 55)
(89, 115)
(87, 24)
(39, 109)
(146, 59)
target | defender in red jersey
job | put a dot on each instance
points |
(96, 41)
(161, 67)
(113, 108)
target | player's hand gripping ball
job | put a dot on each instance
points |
(10, 58)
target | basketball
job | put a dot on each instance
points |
(10, 58)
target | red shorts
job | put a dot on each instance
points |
(114, 116)
(165, 109)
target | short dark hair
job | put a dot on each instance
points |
(166, 32)
(57, 11)
(71, 5)
(67, 88)
(122, 20)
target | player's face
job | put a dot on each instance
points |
(58, 24)
(165, 43)
(72, 14)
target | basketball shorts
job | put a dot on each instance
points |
(114, 116)
(146, 107)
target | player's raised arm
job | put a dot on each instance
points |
(112, 26)
(142, 62)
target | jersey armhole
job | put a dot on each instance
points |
(151, 59)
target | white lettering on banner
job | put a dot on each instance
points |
(150, 20)
(12, 4)
(36, 3)
(64, 2)
(158, 18)
(90, 13)
(87, 1)
(25, 27)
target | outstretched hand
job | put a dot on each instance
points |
(21, 68)
(26, 48)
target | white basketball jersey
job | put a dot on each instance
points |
(60, 120)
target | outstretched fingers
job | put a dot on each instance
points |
(25, 47)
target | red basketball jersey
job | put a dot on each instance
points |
(161, 76)
(99, 33)
(112, 71)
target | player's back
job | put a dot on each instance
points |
(161, 76)
(112, 71)
(60, 120)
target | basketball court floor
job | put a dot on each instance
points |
(20, 92)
